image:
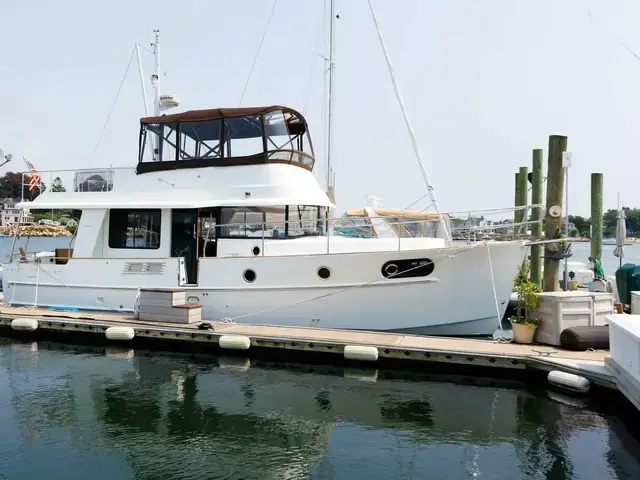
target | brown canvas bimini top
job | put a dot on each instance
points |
(217, 113)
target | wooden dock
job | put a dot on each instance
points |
(358, 345)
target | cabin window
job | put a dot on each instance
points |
(305, 221)
(158, 141)
(200, 139)
(252, 222)
(271, 222)
(134, 228)
(279, 142)
(243, 136)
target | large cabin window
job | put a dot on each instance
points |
(158, 142)
(276, 131)
(200, 140)
(272, 222)
(243, 136)
(134, 228)
(305, 221)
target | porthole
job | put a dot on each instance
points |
(416, 267)
(324, 273)
(249, 276)
(256, 250)
(390, 269)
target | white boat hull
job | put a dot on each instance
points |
(456, 299)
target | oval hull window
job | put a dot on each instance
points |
(255, 250)
(416, 267)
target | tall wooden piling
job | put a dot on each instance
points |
(516, 200)
(523, 194)
(553, 224)
(596, 215)
(536, 228)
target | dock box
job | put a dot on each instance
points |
(168, 306)
(561, 310)
(161, 297)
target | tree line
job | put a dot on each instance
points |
(583, 225)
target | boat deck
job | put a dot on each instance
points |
(460, 351)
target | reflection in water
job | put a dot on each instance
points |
(76, 413)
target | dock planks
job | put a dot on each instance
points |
(390, 345)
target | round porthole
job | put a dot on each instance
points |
(390, 269)
(256, 250)
(249, 276)
(324, 273)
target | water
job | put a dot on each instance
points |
(31, 245)
(76, 413)
(610, 263)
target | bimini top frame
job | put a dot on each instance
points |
(224, 137)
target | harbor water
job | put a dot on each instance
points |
(72, 412)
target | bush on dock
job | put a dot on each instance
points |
(529, 299)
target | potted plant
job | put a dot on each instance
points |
(524, 322)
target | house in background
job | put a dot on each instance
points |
(9, 214)
(68, 222)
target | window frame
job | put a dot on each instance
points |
(126, 212)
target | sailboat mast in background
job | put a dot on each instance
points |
(330, 175)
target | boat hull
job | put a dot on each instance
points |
(457, 298)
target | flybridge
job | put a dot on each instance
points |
(224, 137)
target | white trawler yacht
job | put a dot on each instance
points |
(225, 206)
(223, 203)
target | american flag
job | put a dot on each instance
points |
(34, 178)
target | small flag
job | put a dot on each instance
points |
(34, 178)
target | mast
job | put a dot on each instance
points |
(155, 76)
(330, 177)
(160, 102)
(155, 84)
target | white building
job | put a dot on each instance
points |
(9, 214)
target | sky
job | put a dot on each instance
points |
(484, 83)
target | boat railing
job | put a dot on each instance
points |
(478, 225)
(361, 227)
(75, 180)
(470, 229)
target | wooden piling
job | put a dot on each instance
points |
(516, 200)
(553, 225)
(523, 195)
(596, 215)
(536, 228)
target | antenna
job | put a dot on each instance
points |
(155, 76)
(7, 158)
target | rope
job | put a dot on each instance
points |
(136, 304)
(493, 286)
(113, 105)
(412, 136)
(255, 58)
(613, 35)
